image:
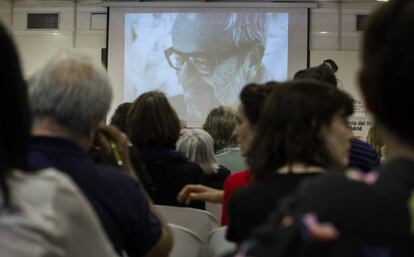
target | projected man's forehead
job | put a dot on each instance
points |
(199, 33)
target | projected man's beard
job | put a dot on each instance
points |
(227, 80)
(204, 92)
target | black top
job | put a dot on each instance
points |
(141, 171)
(216, 180)
(117, 199)
(137, 164)
(373, 216)
(250, 206)
(170, 172)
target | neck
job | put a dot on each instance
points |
(299, 168)
(396, 148)
(49, 127)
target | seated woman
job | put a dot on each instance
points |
(375, 137)
(198, 146)
(42, 213)
(120, 120)
(302, 130)
(154, 128)
(220, 124)
(252, 98)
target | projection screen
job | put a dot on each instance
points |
(202, 54)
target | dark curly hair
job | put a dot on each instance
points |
(388, 59)
(289, 129)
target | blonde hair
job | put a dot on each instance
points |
(375, 138)
(220, 123)
(197, 145)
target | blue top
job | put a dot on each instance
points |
(363, 156)
(117, 199)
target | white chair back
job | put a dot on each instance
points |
(199, 221)
(186, 242)
(215, 209)
(218, 244)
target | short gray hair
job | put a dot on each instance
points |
(71, 90)
(198, 146)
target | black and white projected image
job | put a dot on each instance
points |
(202, 60)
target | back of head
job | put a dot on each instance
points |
(253, 97)
(15, 113)
(153, 122)
(220, 123)
(320, 73)
(375, 138)
(120, 117)
(289, 130)
(71, 91)
(388, 59)
(197, 145)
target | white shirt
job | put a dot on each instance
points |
(50, 217)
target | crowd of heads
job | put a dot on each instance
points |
(276, 124)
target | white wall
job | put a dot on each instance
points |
(334, 36)
(37, 46)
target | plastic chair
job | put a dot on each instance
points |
(199, 221)
(215, 209)
(186, 242)
(218, 244)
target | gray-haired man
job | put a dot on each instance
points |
(69, 98)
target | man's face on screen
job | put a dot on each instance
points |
(205, 58)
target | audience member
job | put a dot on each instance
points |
(252, 98)
(120, 117)
(362, 155)
(198, 146)
(376, 139)
(351, 213)
(154, 128)
(289, 147)
(43, 213)
(120, 120)
(220, 124)
(69, 98)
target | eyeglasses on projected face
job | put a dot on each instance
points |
(202, 62)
